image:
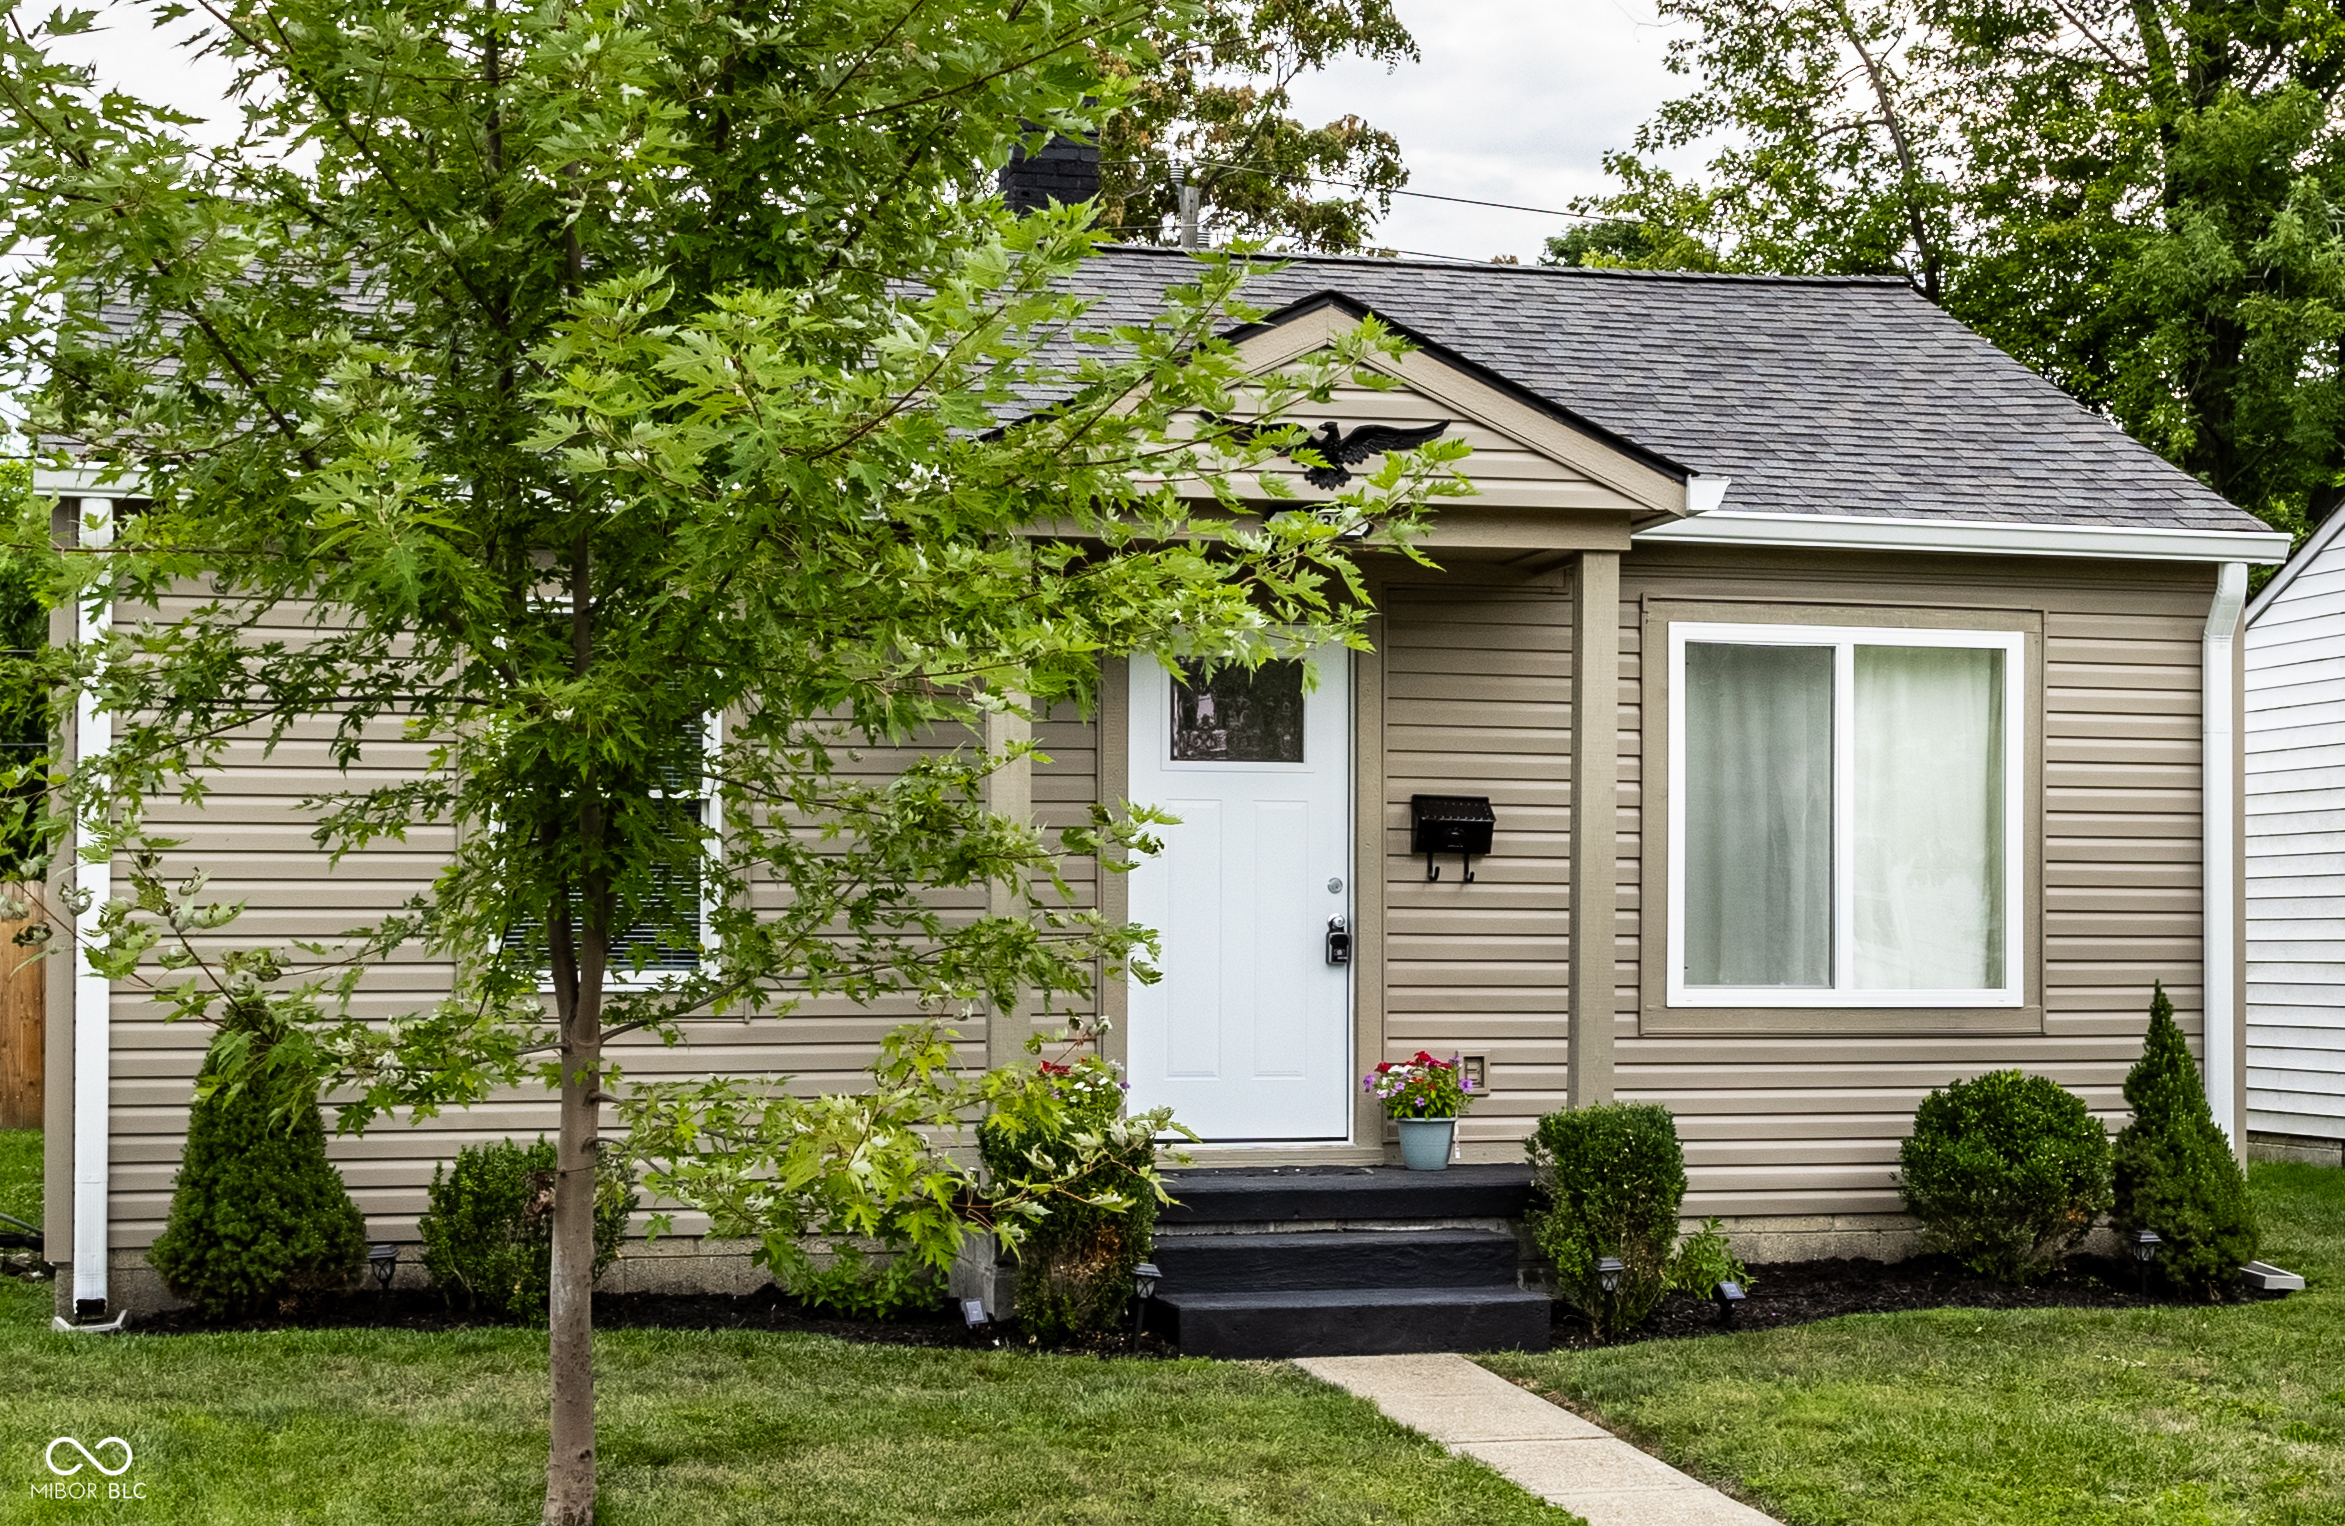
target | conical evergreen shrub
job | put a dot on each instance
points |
(2175, 1170)
(258, 1213)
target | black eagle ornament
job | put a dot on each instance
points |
(1336, 448)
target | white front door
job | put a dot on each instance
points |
(1248, 1034)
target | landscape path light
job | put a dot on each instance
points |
(382, 1259)
(1144, 1280)
(1608, 1270)
(1728, 1295)
(2143, 1243)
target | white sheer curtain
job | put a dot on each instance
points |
(1928, 870)
(1758, 815)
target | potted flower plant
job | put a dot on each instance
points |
(1424, 1096)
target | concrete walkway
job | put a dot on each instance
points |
(1548, 1450)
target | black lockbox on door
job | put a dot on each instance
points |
(1459, 824)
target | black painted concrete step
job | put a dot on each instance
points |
(1346, 1258)
(1273, 1195)
(1352, 1321)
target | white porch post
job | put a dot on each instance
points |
(93, 733)
(2218, 805)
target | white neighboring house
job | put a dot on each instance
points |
(2295, 799)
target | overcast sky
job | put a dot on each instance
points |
(1516, 101)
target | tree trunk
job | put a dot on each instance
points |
(579, 964)
(570, 1483)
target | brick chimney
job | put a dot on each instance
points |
(1066, 172)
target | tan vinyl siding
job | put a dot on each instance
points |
(1779, 1123)
(1064, 788)
(253, 840)
(1477, 701)
(251, 836)
(1472, 685)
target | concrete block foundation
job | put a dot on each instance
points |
(679, 1264)
(2296, 1147)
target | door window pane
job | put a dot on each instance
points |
(1236, 716)
(1758, 815)
(1928, 870)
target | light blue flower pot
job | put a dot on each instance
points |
(1424, 1142)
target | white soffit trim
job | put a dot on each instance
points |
(1704, 494)
(1746, 527)
(77, 479)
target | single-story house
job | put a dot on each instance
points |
(2295, 787)
(1853, 712)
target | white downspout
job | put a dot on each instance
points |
(93, 733)
(2218, 803)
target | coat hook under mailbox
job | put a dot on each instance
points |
(1459, 824)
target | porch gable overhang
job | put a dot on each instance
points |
(1545, 480)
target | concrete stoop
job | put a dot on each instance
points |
(1346, 1260)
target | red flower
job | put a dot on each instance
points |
(1049, 1069)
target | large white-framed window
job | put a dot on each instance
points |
(1846, 810)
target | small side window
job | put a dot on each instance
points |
(677, 939)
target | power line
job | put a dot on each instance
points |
(1427, 254)
(1354, 185)
(1506, 206)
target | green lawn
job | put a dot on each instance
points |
(20, 1174)
(704, 1428)
(2036, 1418)
(2184, 1416)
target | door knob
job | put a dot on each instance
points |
(1339, 941)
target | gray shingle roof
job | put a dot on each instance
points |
(1825, 395)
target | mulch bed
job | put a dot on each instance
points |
(1783, 1293)
(766, 1309)
(1801, 1292)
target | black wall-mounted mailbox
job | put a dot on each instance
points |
(1459, 824)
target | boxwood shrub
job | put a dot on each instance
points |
(1612, 1177)
(488, 1236)
(2007, 1173)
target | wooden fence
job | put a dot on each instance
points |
(23, 1024)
